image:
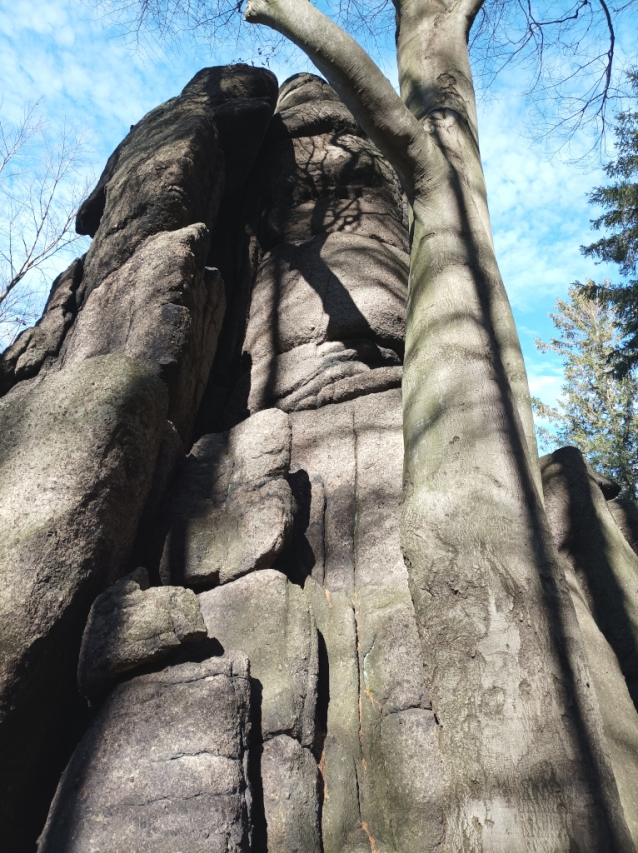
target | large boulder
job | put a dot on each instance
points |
(377, 737)
(77, 453)
(166, 174)
(268, 618)
(232, 511)
(290, 782)
(131, 625)
(605, 565)
(163, 768)
(335, 287)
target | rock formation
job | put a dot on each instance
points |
(200, 491)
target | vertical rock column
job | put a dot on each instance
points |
(324, 342)
(127, 339)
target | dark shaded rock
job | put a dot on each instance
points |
(625, 514)
(163, 767)
(226, 83)
(304, 88)
(243, 98)
(233, 508)
(291, 797)
(77, 452)
(334, 287)
(26, 355)
(152, 529)
(602, 573)
(312, 119)
(605, 565)
(130, 625)
(166, 174)
(365, 216)
(308, 168)
(163, 308)
(268, 618)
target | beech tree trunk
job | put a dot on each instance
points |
(520, 730)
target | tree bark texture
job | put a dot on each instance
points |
(522, 740)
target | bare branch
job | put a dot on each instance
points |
(358, 80)
(39, 196)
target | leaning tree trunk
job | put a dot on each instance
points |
(520, 731)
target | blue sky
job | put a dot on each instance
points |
(83, 72)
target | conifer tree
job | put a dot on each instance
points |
(620, 202)
(598, 410)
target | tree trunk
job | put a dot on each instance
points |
(520, 731)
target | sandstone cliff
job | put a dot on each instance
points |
(200, 491)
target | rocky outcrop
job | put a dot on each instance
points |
(131, 625)
(232, 512)
(268, 619)
(379, 760)
(605, 565)
(625, 514)
(290, 783)
(602, 575)
(164, 308)
(260, 684)
(77, 451)
(327, 309)
(162, 768)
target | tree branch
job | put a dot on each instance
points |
(357, 79)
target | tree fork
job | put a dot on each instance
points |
(521, 735)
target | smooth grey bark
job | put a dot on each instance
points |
(521, 735)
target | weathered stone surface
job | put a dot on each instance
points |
(165, 175)
(163, 308)
(77, 451)
(163, 768)
(602, 573)
(291, 797)
(380, 765)
(26, 355)
(605, 565)
(360, 384)
(620, 720)
(313, 119)
(367, 215)
(304, 88)
(268, 618)
(233, 510)
(306, 168)
(130, 625)
(224, 84)
(625, 514)
(305, 376)
(333, 287)
(243, 99)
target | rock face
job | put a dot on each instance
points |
(162, 768)
(602, 573)
(164, 309)
(233, 509)
(35, 346)
(77, 451)
(257, 683)
(269, 619)
(130, 625)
